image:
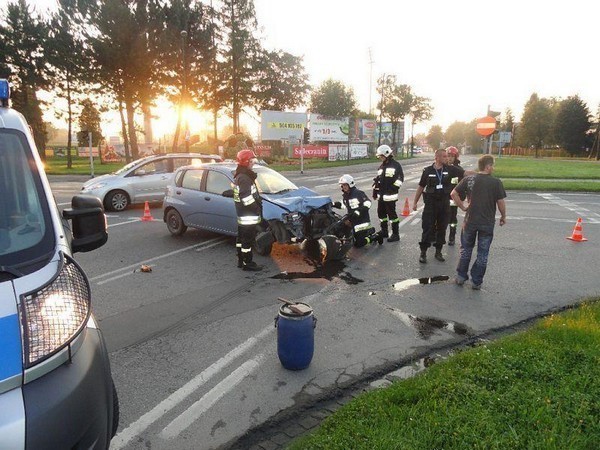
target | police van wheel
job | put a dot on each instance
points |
(175, 223)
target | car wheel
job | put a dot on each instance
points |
(175, 223)
(116, 411)
(116, 201)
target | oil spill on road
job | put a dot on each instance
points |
(327, 271)
(427, 326)
(401, 285)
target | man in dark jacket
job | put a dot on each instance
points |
(357, 204)
(248, 208)
(385, 188)
(453, 215)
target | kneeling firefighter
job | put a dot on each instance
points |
(248, 207)
(357, 204)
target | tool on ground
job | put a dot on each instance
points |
(147, 217)
(577, 235)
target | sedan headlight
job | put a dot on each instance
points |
(93, 187)
(52, 316)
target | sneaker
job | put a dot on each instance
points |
(394, 238)
(459, 281)
(439, 256)
(476, 287)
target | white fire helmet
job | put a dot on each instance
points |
(347, 179)
(384, 150)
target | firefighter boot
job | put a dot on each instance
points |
(240, 259)
(248, 264)
(395, 237)
(438, 254)
(384, 230)
(452, 235)
(423, 257)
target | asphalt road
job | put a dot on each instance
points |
(193, 346)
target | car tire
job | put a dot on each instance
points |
(116, 411)
(175, 223)
(116, 201)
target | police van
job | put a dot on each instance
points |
(56, 389)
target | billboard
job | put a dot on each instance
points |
(364, 130)
(339, 152)
(311, 151)
(386, 134)
(277, 125)
(328, 129)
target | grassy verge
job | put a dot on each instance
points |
(508, 167)
(81, 166)
(542, 185)
(537, 389)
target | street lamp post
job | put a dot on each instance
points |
(184, 90)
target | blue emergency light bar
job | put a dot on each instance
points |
(4, 92)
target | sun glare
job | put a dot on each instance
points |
(165, 120)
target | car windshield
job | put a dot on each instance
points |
(132, 164)
(25, 224)
(271, 182)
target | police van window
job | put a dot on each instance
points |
(25, 224)
(192, 179)
(217, 183)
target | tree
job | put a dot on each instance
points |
(456, 134)
(508, 121)
(282, 83)
(536, 122)
(420, 111)
(572, 125)
(333, 98)
(89, 121)
(24, 62)
(435, 137)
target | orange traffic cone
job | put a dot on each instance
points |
(406, 210)
(147, 217)
(577, 235)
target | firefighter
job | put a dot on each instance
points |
(357, 204)
(435, 185)
(385, 189)
(452, 218)
(248, 207)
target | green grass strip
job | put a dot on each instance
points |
(511, 167)
(537, 389)
(555, 186)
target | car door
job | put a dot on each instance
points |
(187, 198)
(219, 210)
(149, 181)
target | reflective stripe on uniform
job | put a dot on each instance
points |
(396, 220)
(248, 220)
(383, 220)
(390, 171)
(367, 203)
(390, 198)
(398, 183)
(379, 172)
(248, 200)
(452, 203)
(246, 250)
(354, 203)
(454, 180)
(362, 226)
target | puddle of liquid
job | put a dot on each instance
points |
(327, 271)
(427, 326)
(401, 285)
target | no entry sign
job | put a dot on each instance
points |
(486, 125)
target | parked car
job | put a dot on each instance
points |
(56, 388)
(202, 197)
(143, 180)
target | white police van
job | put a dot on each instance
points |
(56, 389)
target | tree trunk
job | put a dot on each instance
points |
(69, 124)
(215, 116)
(135, 154)
(175, 147)
(124, 132)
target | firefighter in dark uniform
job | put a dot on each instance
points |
(357, 204)
(248, 208)
(435, 185)
(452, 218)
(385, 189)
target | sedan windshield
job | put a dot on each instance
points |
(271, 182)
(131, 165)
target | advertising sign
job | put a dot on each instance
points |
(276, 125)
(365, 130)
(386, 133)
(328, 129)
(262, 150)
(311, 151)
(339, 152)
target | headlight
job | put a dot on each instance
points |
(54, 315)
(94, 187)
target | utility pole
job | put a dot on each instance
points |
(381, 110)
(187, 124)
(370, 79)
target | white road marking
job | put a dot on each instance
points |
(193, 413)
(126, 274)
(140, 425)
(207, 244)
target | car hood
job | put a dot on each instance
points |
(100, 179)
(301, 200)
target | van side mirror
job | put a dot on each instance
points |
(228, 193)
(89, 223)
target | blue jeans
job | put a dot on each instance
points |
(484, 235)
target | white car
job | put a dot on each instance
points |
(143, 180)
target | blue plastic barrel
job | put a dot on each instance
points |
(295, 337)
